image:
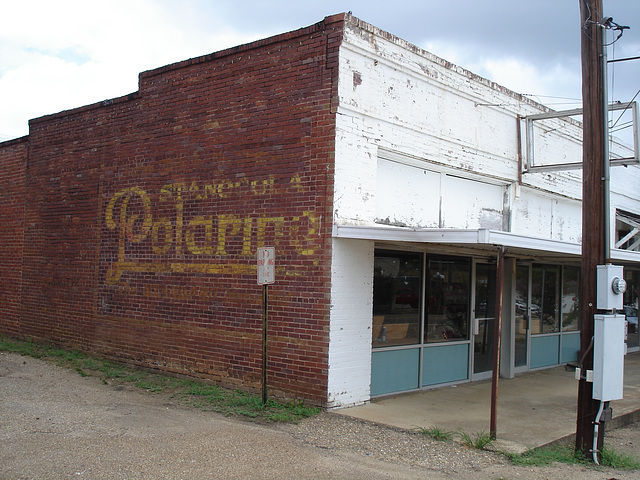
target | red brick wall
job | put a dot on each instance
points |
(144, 215)
(13, 161)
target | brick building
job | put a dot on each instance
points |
(384, 177)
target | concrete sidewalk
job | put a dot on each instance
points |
(534, 409)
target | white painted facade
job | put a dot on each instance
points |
(422, 143)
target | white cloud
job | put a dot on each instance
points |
(61, 55)
(526, 78)
(554, 84)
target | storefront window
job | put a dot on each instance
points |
(522, 315)
(397, 290)
(631, 306)
(447, 309)
(545, 299)
(570, 297)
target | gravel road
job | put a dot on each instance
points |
(55, 424)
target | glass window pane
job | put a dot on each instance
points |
(631, 305)
(447, 310)
(397, 286)
(485, 290)
(570, 298)
(545, 299)
(522, 315)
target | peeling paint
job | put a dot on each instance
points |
(387, 221)
(357, 79)
(491, 219)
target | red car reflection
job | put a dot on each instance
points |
(407, 297)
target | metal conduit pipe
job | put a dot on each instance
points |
(606, 176)
(596, 427)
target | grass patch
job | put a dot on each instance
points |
(190, 391)
(620, 461)
(547, 456)
(238, 403)
(435, 432)
(567, 454)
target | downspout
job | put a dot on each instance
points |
(519, 140)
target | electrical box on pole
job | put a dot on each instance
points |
(609, 333)
(608, 357)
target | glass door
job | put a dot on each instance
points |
(484, 319)
(522, 325)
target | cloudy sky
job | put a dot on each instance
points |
(57, 55)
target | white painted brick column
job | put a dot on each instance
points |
(350, 331)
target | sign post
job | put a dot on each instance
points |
(266, 275)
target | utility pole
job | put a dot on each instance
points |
(595, 124)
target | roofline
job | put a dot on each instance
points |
(442, 62)
(14, 141)
(281, 37)
(145, 75)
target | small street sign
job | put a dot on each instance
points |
(266, 265)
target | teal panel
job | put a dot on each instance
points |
(570, 347)
(394, 371)
(545, 351)
(446, 363)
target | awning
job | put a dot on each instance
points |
(481, 237)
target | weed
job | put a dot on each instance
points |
(479, 440)
(435, 432)
(620, 461)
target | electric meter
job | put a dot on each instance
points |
(610, 287)
(618, 285)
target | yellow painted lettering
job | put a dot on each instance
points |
(277, 224)
(128, 226)
(161, 246)
(228, 226)
(246, 238)
(190, 236)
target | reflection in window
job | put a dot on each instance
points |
(545, 298)
(631, 305)
(627, 225)
(485, 291)
(570, 297)
(485, 315)
(447, 317)
(396, 298)
(522, 315)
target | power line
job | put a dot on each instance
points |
(627, 108)
(623, 59)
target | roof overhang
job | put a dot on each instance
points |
(477, 238)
